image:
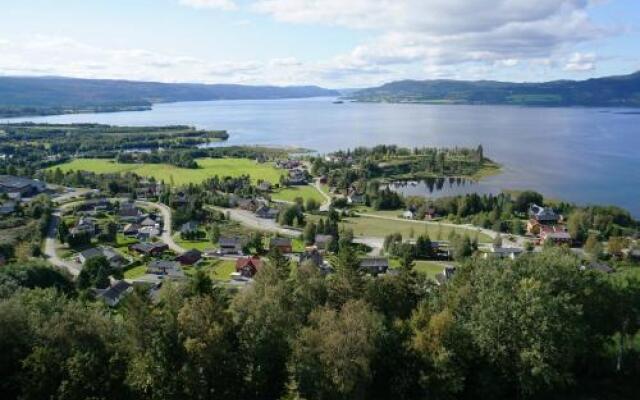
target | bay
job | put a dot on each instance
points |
(584, 155)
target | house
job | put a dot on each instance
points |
(264, 186)
(374, 265)
(22, 186)
(356, 198)
(130, 229)
(230, 245)
(114, 258)
(148, 232)
(129, 212)
(533, 227)
(314, 257)
(447, 273)
(149, 249)
(283, 244)
(430, 213)
(188, 228)
(190, 257)
(85, 226)
(165, 268)
(148, 222)
(595, 266)
(409, 214)
(267, 212)
(544, 215)
(248, 266)
(554, 234)
(323, 180)
(114, 294)
(502, 252)
(248, 204)
(8, 207)
(322, 241)
(297, 177)
(288, 164)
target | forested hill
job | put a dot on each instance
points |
(53, 95)
(614, 91)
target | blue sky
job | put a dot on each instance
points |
(334, 43)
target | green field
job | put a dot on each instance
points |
(135, 272)
(428, 268)
(376, 227)
(170, 174)
(306, 192)
(193, 244)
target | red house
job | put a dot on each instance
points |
(248, 266)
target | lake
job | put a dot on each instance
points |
(584, 155)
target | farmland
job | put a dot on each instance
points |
(208, 167)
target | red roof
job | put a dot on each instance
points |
(254, 263)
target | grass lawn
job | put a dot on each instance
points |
(428, 268)
(135, 272)
(290, 194)
(193, 244)
(363, 226)
(216, 269)
(209, 167)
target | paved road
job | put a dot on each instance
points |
(167, 234)
(249, 220)
(50, 244)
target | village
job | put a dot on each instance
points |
(142, 241)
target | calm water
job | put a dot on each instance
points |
(586, 155)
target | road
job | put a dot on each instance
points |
(327, 199)
(250, 220)
(50, 244)
(167, 234)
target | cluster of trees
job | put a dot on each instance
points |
(533, 328)
(21, 235)
(393, 162)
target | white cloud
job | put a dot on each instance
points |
(581, 62)
(434, 33)
(226, 5)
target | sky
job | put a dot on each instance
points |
(332, 43)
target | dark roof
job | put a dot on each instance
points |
(323, 238)
(116, 291)
(229, 242)
(280, 241)
(163, 264)
(595, 266)
(17, 182)
(147, 247)
(374, 262)
(91, 253)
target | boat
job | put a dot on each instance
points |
(338, 102)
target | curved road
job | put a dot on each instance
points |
(51, 241)
(167, 234)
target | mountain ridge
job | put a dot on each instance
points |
(58, 95)
(611, 91)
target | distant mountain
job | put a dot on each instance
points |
(614, 91)
(52, 95)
